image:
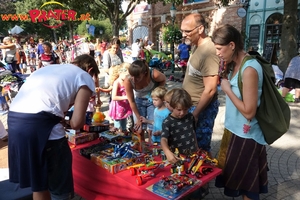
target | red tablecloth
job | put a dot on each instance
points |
(94, 182)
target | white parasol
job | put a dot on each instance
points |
(16, 30)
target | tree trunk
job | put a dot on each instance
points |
(288, 42)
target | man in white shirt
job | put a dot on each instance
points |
(135, 49)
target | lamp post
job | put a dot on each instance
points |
(87, 26)
(173, 16)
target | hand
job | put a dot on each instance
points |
(225, 85)
(156, 133)
(143, 119)
(138, 126)
(99, 102)
(172, 158)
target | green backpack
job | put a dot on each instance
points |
(273, 114)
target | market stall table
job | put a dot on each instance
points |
(93, 182)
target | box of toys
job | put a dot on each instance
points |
(110, 160)
(138, 140)
(82, 137)
(97, 128)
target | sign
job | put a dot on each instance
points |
(141, 8)
(269, 51)
(49, 11)
(254, 34)
(241, 12)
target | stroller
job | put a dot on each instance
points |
(159, 64)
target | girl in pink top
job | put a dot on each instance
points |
(119, 108)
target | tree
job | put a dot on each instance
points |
(112, 10)
(288, 44)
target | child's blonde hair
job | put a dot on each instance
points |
(169, 94)
(159, 92)
(115, 71)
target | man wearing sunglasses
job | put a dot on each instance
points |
(201, 77)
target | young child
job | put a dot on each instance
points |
(178, 129)
(119, 108)
(160, 113)
(168, 97)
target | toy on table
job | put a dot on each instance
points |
(98, 116)
(144, 170)
(175, 182)
(195, 166)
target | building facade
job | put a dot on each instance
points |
(260, 21)
(264, 25)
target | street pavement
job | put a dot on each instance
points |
(283, 155)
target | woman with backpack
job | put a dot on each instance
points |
(242, 154)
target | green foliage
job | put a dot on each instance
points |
(103, 25)
(171, 34)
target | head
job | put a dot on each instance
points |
(181, 101)
(228, 42)
(146, 38)
(139, 69)
(87, 63)
(114, 45)
(193, 28)
(41, 40)
(158, 96)
(47, 46)
(7, 40)
(168, 97)
(137, 41)
(114, 73)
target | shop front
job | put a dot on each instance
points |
(264, 27)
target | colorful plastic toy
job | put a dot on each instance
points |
(144, 170)
(175, 182)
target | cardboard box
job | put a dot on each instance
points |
(104, 126)
(139, 141)
(82, 137)
(104, 160)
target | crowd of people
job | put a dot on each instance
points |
(181, 118)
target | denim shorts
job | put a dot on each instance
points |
(146, 109)
(60, 178)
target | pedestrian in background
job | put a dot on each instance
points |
(242, 154)
(292, 78)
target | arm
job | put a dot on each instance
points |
(210, 84)
(8, 46)
(80, 105)
(114, 95)
(96, 80)
(248, 105)
(159, 77)
(144, 120)
(130, 97)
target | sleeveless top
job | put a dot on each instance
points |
(11, 53)
(146, 91)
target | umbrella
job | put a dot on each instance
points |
(16, 30)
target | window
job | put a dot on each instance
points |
(187, 2)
